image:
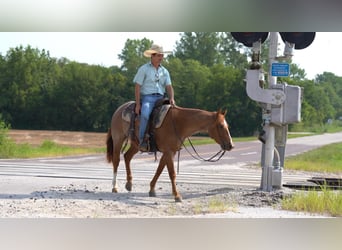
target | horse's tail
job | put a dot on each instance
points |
(109, 146)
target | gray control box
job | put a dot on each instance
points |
(290, 110)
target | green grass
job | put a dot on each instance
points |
(9, 149)
(334, 127)
(214, 205)
(322, 202)
(324, 159)
(219, 206)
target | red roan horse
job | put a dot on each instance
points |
(179, 123)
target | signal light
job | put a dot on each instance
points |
(300, 39)
(248, 38)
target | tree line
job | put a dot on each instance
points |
(207, 71)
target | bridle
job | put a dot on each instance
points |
(196, 156)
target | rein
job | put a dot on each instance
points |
(219, 154)
(198, 157)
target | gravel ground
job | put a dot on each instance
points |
(70, 198)
(89, 199)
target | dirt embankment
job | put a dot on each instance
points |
(67, 138)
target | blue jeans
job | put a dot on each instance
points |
(147, 104)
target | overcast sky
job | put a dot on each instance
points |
(102, 48)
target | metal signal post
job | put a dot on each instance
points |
(269, 128)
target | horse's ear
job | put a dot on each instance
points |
(223, 112)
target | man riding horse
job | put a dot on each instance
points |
(152, 81)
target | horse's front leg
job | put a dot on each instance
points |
(166, 159)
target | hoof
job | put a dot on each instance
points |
(152, 194)
(114, 190)
(178, 199)
(128, 186)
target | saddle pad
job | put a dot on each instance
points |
(162, 113)
(127, 112)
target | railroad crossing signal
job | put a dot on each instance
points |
(282, 102)
(301, 40)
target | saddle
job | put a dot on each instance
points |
(156, 119)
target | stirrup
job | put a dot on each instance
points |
(144, 147)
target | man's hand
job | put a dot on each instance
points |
(137, 108)
(172, 102)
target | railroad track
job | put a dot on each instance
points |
(143, 169)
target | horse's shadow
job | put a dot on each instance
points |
(188, 195)
(128, 198)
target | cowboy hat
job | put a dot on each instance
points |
(155, 49)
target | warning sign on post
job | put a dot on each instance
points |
(280, 69)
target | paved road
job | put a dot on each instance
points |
(235, 168)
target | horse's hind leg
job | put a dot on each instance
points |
(116, 161)
(128, 157)
(160, 169)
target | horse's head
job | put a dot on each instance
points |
(219, 131)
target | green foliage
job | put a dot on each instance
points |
(226, 90)
(132, 54)
(199, 46)
(230, 51)
(44, 93)
(189, 81)
(207, 70)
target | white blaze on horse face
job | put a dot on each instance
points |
(226, 126)
(225, 123)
